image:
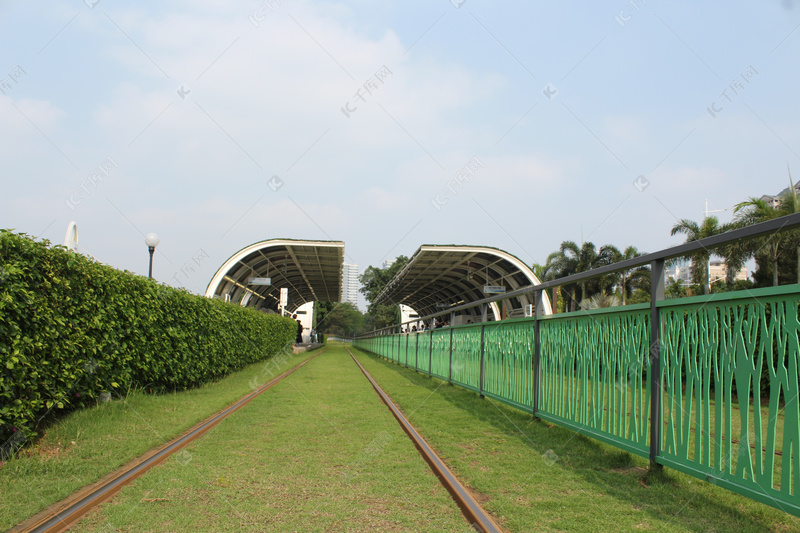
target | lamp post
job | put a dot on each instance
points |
(151, 239)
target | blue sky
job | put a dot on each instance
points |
(217, 125)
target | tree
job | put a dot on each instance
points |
(675, 289)
(560, 264)
(777, 254)
(342, 318)
(694, 232)
(601, 301)
(627, 281)
(540, 271)
(571, 259)
(373, 281)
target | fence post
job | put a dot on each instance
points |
(430, 355)
(450, 364)
(537, 300)
(406, 350)
(416, 351)
(656, 295)
(483, 352)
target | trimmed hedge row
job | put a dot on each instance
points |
(72, 328)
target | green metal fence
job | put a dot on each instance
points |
(466, 361)
(730, 384)
(508, 362)
(594, 374)
(727, 380)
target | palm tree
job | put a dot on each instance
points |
(601, 301)
(540, 271)
(628, 280)
(571, 259)
(756, 210)
(694, 232)
(591, 259)
(561, 263)
(675, 288)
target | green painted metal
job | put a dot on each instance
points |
(729, 381)
(466, 368)
(730, 393)
(594, 374)
(424, 340)
(441, 353)
(508, 363)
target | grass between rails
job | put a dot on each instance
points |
(317, 452)
(88, 444)
(539, 477)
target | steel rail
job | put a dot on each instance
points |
(63, 515)
(476, 515)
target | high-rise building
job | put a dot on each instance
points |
(350, 283)
(388, 262)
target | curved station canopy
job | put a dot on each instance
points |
(255, 275)
(438, 277)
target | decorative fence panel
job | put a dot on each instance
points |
(594, 374)
(508, 365)
(466, 368)
(441, 353)
(424, 351)
(730, 380)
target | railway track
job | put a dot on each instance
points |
(476, 515)
(61, 516)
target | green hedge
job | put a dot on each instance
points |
(72, 328)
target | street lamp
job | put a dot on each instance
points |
(151, 239)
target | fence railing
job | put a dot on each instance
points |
(708, 385)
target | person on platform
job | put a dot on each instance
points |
(299, 340)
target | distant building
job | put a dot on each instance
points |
(717, 270)
(775, 201)
(389, 262)
(350, 283)
(786, 190)
(771, 201)
(680, 271)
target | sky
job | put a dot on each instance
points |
(388, 125)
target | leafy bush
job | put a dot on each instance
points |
(72, 328)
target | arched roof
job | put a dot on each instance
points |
(440, 276)
(311, 270)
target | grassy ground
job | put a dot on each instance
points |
(539, 477)
(318, 452)
(88, 444)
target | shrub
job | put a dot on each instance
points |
(72, 328)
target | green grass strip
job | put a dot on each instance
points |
(88, 444)
(537, 476)
(317, 452)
